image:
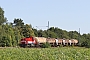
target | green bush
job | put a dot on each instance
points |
(88, 46)
(46, 45)
(61, 45)
(84, 44)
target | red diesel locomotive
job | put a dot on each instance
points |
(28, 41)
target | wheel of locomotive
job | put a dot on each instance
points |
(22, 45)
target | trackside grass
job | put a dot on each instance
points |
(59, 53)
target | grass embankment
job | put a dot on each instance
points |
(63, 53)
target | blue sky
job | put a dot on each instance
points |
(65, 14)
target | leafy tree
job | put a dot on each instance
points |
(35, 32)
(2, 18)
(52, 34)
(65, 34)
(52, 29)
(45, 33)
(40, 33)
(27, 31)
(18, 22)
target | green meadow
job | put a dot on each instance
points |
(57, 53)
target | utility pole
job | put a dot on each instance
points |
(79, 37)
(45, 26)
(48, 24)
(48, 28)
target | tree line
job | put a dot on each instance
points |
(11, 33)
